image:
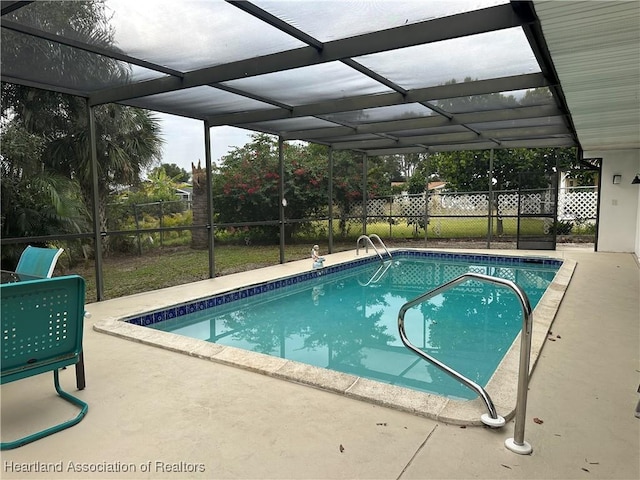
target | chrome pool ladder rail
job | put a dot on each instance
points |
(373, 236)
(516, 444)
(368, 238)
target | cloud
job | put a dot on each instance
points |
(184, 140)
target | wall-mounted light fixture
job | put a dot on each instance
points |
(636, 180)
(617, 179)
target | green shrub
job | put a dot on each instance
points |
(584, 227)
(564, 227)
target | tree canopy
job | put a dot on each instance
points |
(173, 171)
(512, 168)
(246, 185)
(128, 139)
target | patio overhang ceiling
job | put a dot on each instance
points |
(595, 47)
(376, 77)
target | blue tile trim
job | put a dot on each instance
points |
(201, 304)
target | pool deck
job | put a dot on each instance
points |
(158, 410)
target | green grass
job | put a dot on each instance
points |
(126, 275)
(176, 265)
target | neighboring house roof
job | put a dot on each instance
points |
(436, 185)
(430, 185)
(184, 193)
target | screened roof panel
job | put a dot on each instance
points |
(299, 86)
(431, 131)
(193, 34)
(198, 101)
(326, 20)
(495, 101)
(476, 57)
(66, 23)
(364, 137)
(84, 71)
(527, 122)
(300, 123)
(335, 72)
(186, 36)
(379, 114)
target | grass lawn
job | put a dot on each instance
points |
(179, 264)
(159, 268)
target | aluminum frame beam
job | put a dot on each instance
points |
(9, 6)
(44, 86)
(481, 145)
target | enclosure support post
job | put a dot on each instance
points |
(161, 223)
(210, 226)
(137, 221)
(490, 207)
(97, 234)
(365, 197)
(283, 201)
(556, 190)
(426, 205)
(330, 197)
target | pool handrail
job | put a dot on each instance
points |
(373, 236)
(516, 444)
(366, 237)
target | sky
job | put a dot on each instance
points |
(184, 140)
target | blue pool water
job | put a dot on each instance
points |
(345, 319)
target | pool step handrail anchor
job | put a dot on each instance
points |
(517, 444)
(369, 239)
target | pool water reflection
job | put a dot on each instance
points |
(348, 323)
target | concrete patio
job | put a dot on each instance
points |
(155, 413)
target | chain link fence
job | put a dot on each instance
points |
(481, 217)
(452, 219)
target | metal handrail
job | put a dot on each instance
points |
(373, 236)
(516, 444)
(366, 237)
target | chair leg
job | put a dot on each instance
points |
(56, 428)
(80, 381)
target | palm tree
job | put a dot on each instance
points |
(128, 139)
(34, 202)
(128, 143)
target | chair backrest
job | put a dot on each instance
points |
(38, 262)
(44, 318)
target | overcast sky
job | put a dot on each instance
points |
(184, 140)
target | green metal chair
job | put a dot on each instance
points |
(38, 262)
(42, 327)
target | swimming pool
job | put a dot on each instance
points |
(354, 372)
(346, 320)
